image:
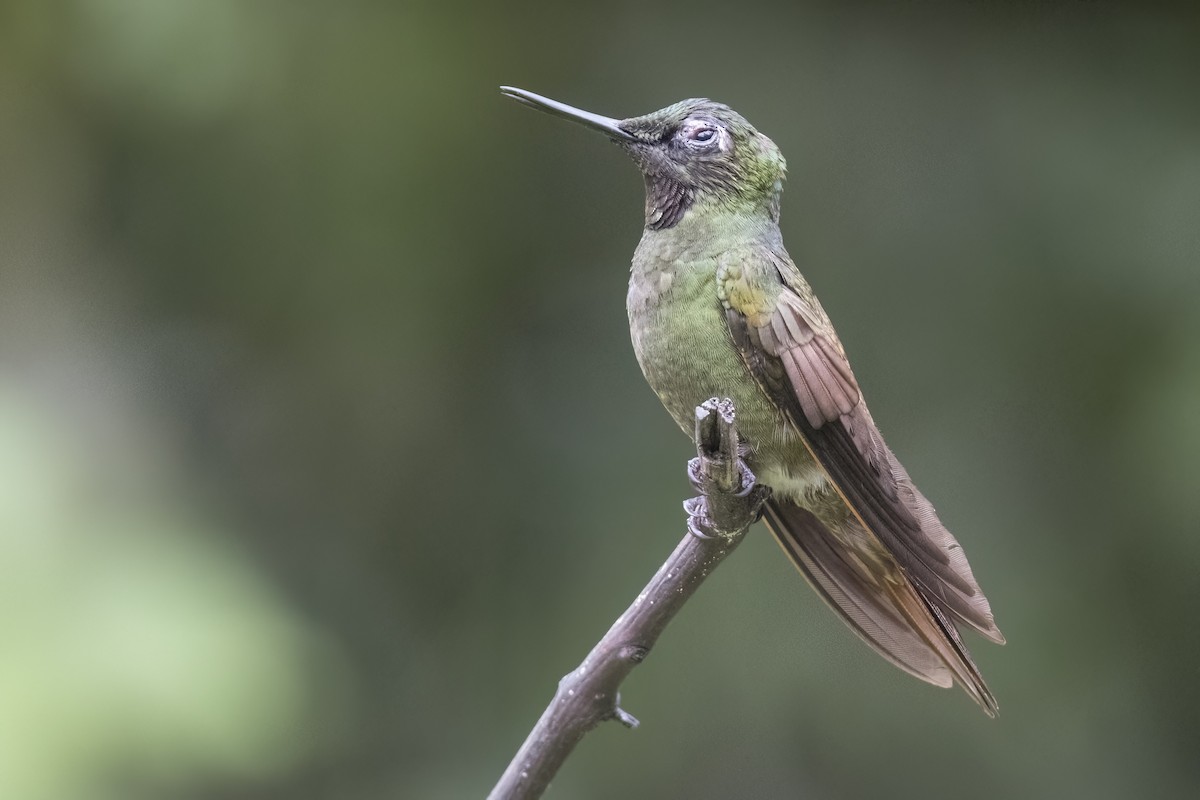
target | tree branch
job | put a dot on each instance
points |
(728, 504)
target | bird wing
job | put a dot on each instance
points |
(791, 349)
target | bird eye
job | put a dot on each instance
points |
(700, 134)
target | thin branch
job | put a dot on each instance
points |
(728, 504)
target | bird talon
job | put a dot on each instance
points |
(694, 528)
(698, 523)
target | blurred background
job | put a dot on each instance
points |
(324, 452)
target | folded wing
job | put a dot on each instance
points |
(790, 348)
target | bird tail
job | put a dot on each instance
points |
(860, 580)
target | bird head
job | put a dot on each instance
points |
(695, 154)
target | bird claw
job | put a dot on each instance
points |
(696, 479)
(698, 522)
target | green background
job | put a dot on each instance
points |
(324, 452)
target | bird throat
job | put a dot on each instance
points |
(666, 201)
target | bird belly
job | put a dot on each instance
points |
(686, 352)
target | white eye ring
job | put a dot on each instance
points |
(701, 135)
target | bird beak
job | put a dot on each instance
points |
(606, 125)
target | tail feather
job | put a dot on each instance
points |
(860, 580)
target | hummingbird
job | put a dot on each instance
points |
(718, 308)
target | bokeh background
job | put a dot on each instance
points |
(324, 454)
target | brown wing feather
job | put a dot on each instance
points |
(792, 351)
(797, 358)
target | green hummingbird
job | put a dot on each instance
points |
(718, 308)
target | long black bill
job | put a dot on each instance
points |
(606, 125)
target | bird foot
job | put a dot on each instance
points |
(699, 524)
(696, 479)
(736, 511)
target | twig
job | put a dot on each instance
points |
(718, 519)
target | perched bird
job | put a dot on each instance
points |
(717, 308)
